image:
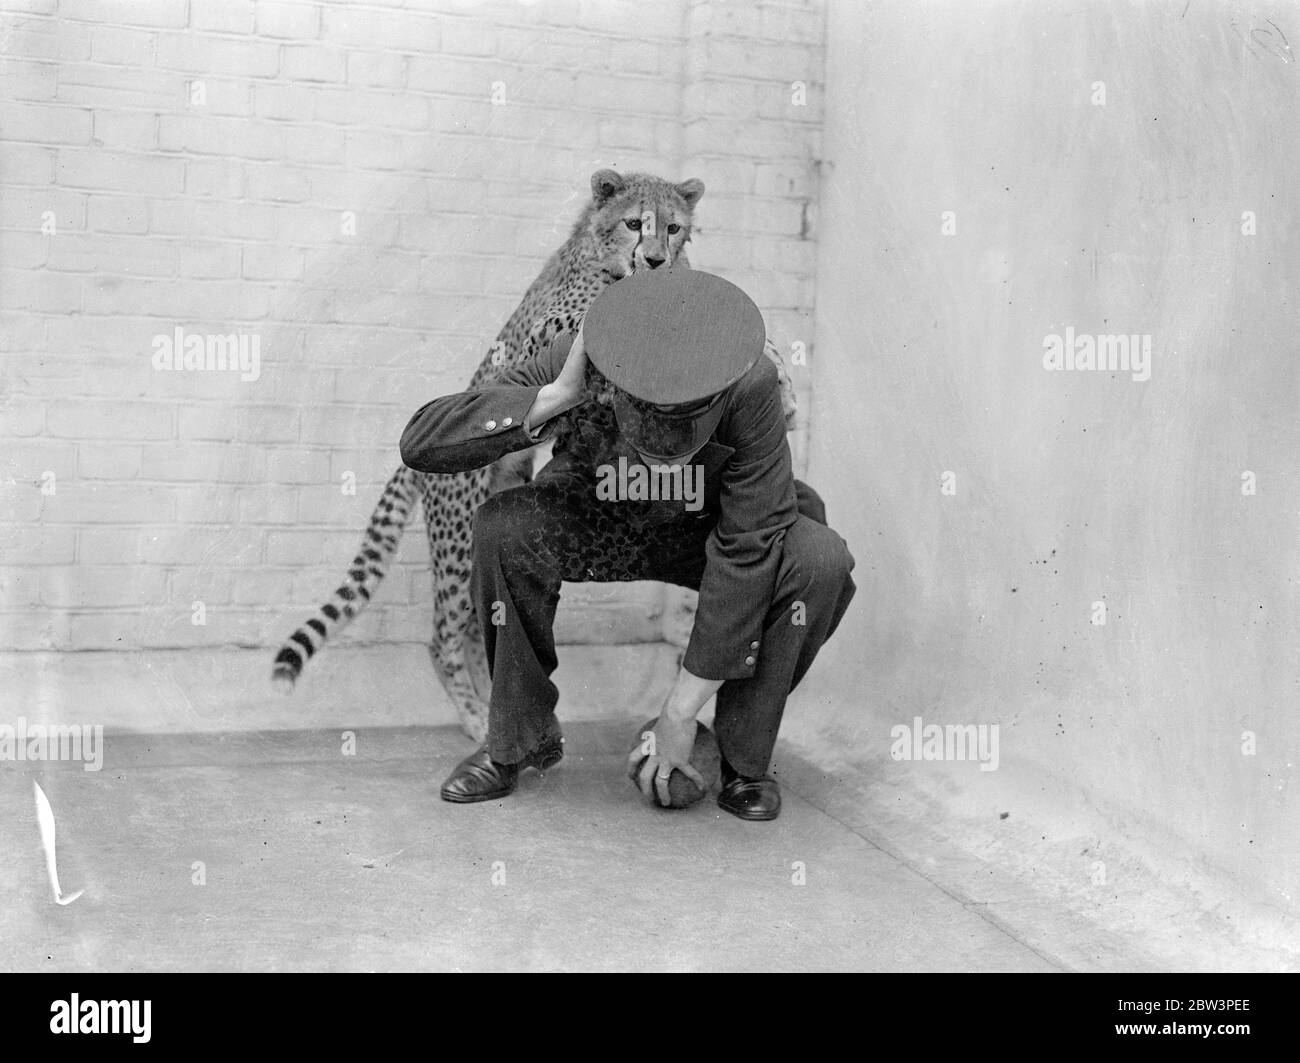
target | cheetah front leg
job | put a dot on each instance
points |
(456, 650)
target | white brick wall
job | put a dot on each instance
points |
(174, 164)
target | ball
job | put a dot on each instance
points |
(706, 758)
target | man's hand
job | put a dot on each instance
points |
(666, 748)
(563, 393)
(573, 377)
(673, 737)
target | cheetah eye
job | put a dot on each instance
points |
(674, 229)
(633, 223)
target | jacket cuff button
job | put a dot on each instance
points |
(753, 645)
(489, 425)
(749, 660)
(506, 422)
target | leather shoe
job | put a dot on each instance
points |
(749, 798)
(480, 778)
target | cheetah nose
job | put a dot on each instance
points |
(653, 263)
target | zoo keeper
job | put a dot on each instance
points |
(671, 463)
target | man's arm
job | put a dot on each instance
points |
(742, 555)
(743, 552)
(474, 428)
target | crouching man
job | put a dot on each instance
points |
(671, 464)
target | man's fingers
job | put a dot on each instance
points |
(645, 780)
(661, 787)
(648, 774)
(576, 361)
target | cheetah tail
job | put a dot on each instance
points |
(370, 566)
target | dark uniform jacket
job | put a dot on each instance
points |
(748, 484)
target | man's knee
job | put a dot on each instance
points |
(817, 560)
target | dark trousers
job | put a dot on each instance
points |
(527, 540)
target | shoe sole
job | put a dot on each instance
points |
(752, 817)
(473, 799)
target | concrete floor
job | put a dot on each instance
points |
(318, 861)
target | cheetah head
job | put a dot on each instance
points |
(639, 221)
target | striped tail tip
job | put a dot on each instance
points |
(285, 672)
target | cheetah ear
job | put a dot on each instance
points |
(691, 190)
(605, 183)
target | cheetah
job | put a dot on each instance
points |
(632, 222)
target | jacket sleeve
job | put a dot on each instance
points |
(457, 433)
(743, 552)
